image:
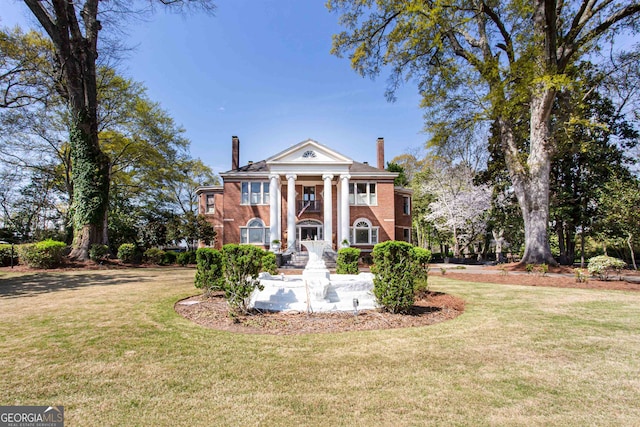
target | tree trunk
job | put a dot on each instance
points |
(633, 257)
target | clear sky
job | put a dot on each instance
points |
(261, 70)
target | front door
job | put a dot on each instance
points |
(309, 230)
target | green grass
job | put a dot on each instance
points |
(109, 347)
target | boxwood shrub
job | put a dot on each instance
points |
(186, 258)
(242, 264)
(209, 271)
(6, 253)
(45, 254)
(154, 256)
(347, 261)
(395, 270)
(128, 252)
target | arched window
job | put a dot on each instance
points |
(363, 233)
(255, 232)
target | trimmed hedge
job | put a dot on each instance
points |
(45, 254)
(128, 252)
(347, 261)
(242, 264)
(154, 256)
(209, 271)
(395, 271)
(6, 254)
(186, 258)
(269, 263)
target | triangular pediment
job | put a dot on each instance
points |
(309, 152)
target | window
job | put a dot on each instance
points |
(362, 233)
(211, 204)
(363, 193)
(254, 233)
(310, 154)
(255, 193)
(406, 205)
(406, 235)
(309, 194)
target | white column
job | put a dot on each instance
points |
(291, 211)
(328, 209)
(344, 208)
(274, 218)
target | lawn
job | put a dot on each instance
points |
(109, 347)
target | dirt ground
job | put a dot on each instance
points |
(212, 312)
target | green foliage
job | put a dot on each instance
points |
(269, 263)
(530, 268)
(347, 261)
(98, 252)
(45, 254)
(209, 270)
(602, 266)
(580, 276)
(242, 264)
(128, 252)
(186, 258)
(395, 270)
(169, 258)
(6, 253)
(154, 256)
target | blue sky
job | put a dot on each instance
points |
(261, 70)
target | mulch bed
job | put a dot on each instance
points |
(212, 312)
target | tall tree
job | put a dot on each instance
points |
(74, 28)
(482, 60)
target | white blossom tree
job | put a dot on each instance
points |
(460, 207)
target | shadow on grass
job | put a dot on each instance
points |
(40, 283)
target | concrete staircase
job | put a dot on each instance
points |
(299, 260)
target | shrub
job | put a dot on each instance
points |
(242, 265)
(269, 263)
(154, 255)
(169, 258)
(395, 270)
(601, 266)
(6, 255)
(347, 261)
(128, 252)
(45, 254)
(186, 258)
(98, 252)
(209, 270)
(422, 257)
(580, 276)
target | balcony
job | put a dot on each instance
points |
(303, 206)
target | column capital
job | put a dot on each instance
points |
(327, 176)
(291, 176)
(274, 176)
(345, 176)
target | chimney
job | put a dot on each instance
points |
(380, 152)
(235, 153)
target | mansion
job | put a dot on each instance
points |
(308, 191)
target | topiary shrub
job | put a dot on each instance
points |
(186, 258)
(7, 254)
(347, 261)
(209, 270)
(98, 252)
(395, 271)
(45, 254)
(422, 257)
(242, 264)
(128, 252)
(154, 256)
(169, 258)
(269, 262)
(602, 266)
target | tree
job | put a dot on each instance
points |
(460, 207)
(482, 61)
(73, 29)
(620, 202)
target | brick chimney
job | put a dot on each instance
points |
(380, 151)
(235, 153)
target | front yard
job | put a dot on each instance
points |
(109, 346)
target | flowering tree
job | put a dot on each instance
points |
(460, 207)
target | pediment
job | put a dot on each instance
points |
(309, 152)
